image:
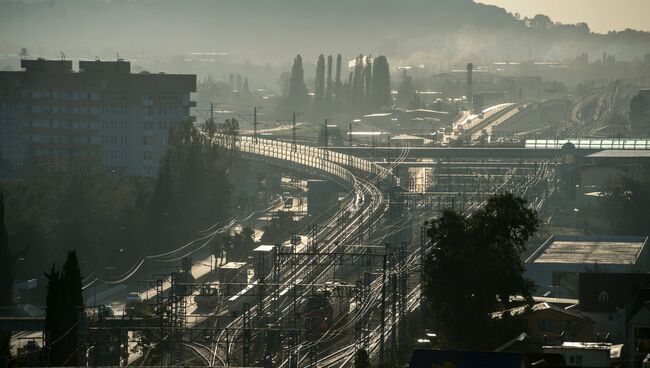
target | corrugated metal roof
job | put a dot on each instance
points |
(591, 251)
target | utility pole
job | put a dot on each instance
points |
(382, 315)
(327, 153)
(393, 311)
(211, 112)
(350, 135)
(293, 130)
(255, 124)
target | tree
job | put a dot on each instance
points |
(338, 98)
(638, 110)
(241, 244)
(245, 88)
(280, 226)
(475, 265)
(319, 87)
(231, 131)
(330, 87)
(297, 100)
(405, 91)
(627, 206)
(239, 83)
(64, 302)
(162, 228)
(7, 264)
(361, 359)
(357, 96)
(367, 74)
(381, 96)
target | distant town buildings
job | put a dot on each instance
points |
(102, 110)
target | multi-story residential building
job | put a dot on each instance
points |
(101, 110)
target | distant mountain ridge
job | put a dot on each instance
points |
(442, 31)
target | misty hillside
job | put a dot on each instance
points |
(435, 31)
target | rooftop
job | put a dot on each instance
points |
(583, 346)
(589, 250)
(538, 308)
(378, 115)
(620, 154)
(233, 265)
(605, 144)
(264, 248)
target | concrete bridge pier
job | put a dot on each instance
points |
(404, 176)
(322, 196)
(247, 176)
(273, 179)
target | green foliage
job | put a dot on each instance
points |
(75, 204)
(405, 91)
(474, 265)
(297, 100)
(356, 94)
(279, 227)
(319, 87)
(241, 244)
(638, 109)
(627, 206)
(64, 302)
(115, 220)
(7, 264)
(192, 191)
(329, 90)
(338, 98)
(381, 83)
(367, 75)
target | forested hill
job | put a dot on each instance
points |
(268, 30)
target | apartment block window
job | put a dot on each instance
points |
(603, 297)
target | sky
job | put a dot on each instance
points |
(601, 15)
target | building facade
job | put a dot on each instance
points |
(102, 110)
(555, 267)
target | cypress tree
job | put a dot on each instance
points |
(246, 89)
(239, 83)
(64, 301)
(405, 91)
(349, 92)
(319, 86)
(163, 211)
(53, 316)
(6, 280)
(381, 83)
(367, 73)
(329, 91)
(357, 85)
(298, 99)
(337, 83)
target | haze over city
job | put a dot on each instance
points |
(309, 183)
(601, 15)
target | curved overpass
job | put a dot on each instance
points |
(366, 208)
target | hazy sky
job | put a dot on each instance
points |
(601, 15)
